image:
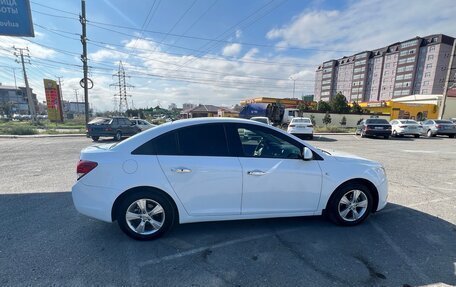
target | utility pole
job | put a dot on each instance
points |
(76, 92)
(14, 73)
(448, 77)
(31, 103)
(294, 85)
(83, 20)
(60, 96)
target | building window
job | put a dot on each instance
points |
(388, 57)
(409, 68)
(427, 74)
(430, 57)
(424, 91)
(428, 66)
(409, 44)
(407, 76)
(386, 73)
(432, 48)
(387, 65)
(425, 83)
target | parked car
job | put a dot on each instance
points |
(116, 127)
(142, 124)
(402, 127)
(374, 127)
(263, 120)
(203, 169)
(433, 128)
(301, 128)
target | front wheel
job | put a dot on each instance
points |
(429, 133)
(416, 136)
(118, 136)
(386, 137)
(95, 139)
(350, 205)
(145, 215)
(363, 135)
(451, 136)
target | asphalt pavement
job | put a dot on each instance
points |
(44, 241)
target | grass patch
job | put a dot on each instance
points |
(18, 130)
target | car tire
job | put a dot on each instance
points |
(311, 137)
(386, 137)
(118, 136)
(416, 136)
(394, 133)
(95, 139)
(145, 215)
(363, 135)
(344, 206)
(451, 136)
(429, 133)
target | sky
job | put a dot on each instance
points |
(215, 52)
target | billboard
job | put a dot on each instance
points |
(53, 103)
(16, 18)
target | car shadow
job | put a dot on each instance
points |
(322, 139)
(398, 246)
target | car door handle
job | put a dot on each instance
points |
(256, 172)
(181, 170)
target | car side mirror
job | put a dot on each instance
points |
(307, 154)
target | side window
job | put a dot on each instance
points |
(264, 143)
(203, 140)
(165, 144)
(115, 122)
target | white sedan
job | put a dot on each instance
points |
(211, 169)
(301, 127)
(402, 127)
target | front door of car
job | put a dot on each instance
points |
(207, 180)
(275, 177)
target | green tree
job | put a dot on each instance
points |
(339, 104)
(327, 119)
(323, 106)
(312, 119)
(343, 121)
(356, 108)
(302, 107)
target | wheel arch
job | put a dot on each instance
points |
(142, 188)
(362, 181)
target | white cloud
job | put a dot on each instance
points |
(365, 25)
(238, 34)
(232, 49)
(104, 54)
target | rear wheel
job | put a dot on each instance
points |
(386, 137)
(363, 135)
(350, 205)
(118, 136)
(311, 137)
(429, 133)
(416, 136)
(95, 139)
(145, 215)
(451, 136)
(394, 133)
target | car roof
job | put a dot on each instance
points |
(300, 118)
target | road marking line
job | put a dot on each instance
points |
(401, 253)
(213, 246)
(356, 137)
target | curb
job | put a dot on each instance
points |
(41, 136)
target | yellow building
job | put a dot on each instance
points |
(402, 110)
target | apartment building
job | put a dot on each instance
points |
(17, 97)
(414, 66)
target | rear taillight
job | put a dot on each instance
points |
(438, 126)
(310, 126)
(291, 126)
(108, 129)
(84, 167)
(402, 126)
(366, 128)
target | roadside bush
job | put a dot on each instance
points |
(18, 130)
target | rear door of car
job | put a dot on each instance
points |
(201, 169)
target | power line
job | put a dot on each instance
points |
(53, 8)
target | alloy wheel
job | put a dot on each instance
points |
(353, 205)
(145, 216)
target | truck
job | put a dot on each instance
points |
(277, 114)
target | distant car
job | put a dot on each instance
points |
(374, 127)
(433, 128)
(142, 124)
(402, 127)
(116, 127)
(301, 127)
(263, 120)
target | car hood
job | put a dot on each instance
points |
(347, 157)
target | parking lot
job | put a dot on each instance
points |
(44, 241)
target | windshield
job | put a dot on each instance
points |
(443, 122)
(377, 121)
(408, 122)
(261, 120)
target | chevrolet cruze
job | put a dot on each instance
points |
(221, 169)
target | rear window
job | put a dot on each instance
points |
(377, 121)
(443, 122)
(409, 122)
(261, 120)
(306, 121)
